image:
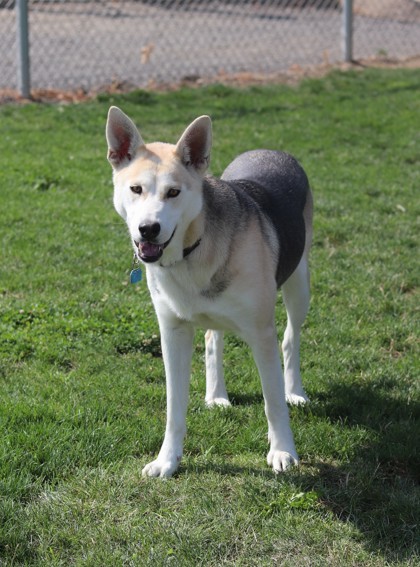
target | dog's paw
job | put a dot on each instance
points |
(160, 468)
(218, 402)
(297, 399)
(281, 460)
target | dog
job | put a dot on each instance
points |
(216, 251)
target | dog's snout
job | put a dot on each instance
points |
(149, 231)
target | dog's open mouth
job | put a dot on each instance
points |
(150, 252)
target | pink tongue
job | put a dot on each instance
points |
(148, 249)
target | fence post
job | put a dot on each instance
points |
(348, 30)
(23, 48)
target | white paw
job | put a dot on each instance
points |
(218, 402)
(297, 399)
(161, 468)
(281, 460)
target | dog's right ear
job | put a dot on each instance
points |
(122, 136)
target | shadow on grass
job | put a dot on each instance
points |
(378, 490)
(242, 399)
(395, 421)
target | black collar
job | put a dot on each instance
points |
(188, 250)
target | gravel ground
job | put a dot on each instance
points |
(91, 45)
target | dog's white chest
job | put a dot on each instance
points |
(181, 292)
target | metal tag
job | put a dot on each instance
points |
(135, 274)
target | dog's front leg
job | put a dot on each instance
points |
(177, 343)
(282, 452)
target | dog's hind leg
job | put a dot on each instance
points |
(216, 394)
(296, 296)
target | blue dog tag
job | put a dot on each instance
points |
(135, 276)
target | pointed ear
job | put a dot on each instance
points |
(122, 136)
(194, 146)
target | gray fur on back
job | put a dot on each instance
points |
(271, 169)
(278, 187)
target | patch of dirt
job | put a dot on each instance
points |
(408, 10)
(293, 76)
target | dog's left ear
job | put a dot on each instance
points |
(194, 145)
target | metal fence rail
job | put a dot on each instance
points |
(92, 43)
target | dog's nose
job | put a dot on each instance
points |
(149, 231)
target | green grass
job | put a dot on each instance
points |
(82, 404)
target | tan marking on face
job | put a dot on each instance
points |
(152, 157)
(157, 159)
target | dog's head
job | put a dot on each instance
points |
(158, 187)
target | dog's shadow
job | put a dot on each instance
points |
(377, 490)
(243, 399)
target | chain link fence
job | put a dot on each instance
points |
(90, 44)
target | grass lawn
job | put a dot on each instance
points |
(82, 406)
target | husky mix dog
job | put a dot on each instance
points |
(216, 251)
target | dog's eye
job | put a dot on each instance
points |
(138, 189)
(172, 193)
